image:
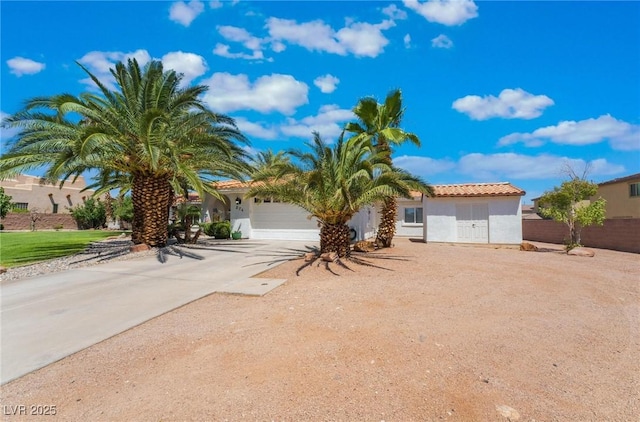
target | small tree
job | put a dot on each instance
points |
(5, 203)
(90, 215)
(570, 204)
(123, 210)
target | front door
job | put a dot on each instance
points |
(472, 222)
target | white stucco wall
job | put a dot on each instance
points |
(505, 219)
(407, 229)
(240, 216)
(364, 223)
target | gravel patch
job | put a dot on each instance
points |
(112, 249)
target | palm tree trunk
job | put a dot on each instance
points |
(150, 196)
(108, 207)
(335, 238)
(387, 227)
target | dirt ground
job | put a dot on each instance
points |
(423, 332)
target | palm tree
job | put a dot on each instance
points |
(379, 124)
(333, 184)
(150, 133)
(267, 163)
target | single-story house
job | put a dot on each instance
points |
(470, 213)
(267, 218)
(474, 213)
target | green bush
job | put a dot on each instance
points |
(90, 215)
(206, 227)
(219, 229)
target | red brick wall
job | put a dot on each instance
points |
(616, 234)
(20, 221)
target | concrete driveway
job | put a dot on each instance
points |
(48, 317)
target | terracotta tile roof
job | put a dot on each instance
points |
(458, 190)
(232, 185)
(477, 189)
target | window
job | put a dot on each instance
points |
(20, 206)
(634, 189)
(55, 208)
(413, 215)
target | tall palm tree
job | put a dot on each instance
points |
(379, 124)
(149, 133)
(266, 163)
(333, 184)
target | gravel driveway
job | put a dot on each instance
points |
(416, 332)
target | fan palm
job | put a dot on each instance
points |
(333, 184)
(150, 134)
(379, 124)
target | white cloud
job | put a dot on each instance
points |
(184, 13)
(189, 64)
(394, 13)
(222, 50)
(278, 46)
(239, 35)
(446, 12)
(21, 66)
(328, 122)
(503, 167)
(510, 104)
(276, 92)
(99, 63)
(256, 130)
(423, 166)
(407, 41)
(326, 83)
(363, 39)
(441, 41)
(621, 135)
(507, 166)
(215, 4)
(358, 38)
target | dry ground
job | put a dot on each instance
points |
(437, 333)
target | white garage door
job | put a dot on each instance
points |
(282, 221)
(472, 221)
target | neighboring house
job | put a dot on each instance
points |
(34, 194)
(474, 213)
(622, 196)
(529, 213)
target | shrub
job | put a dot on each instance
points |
(219, 229)
(90, 215)
(58, 226)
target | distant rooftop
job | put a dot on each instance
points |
(621, 179)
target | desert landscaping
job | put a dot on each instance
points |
(417, 332)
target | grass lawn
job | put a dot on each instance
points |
(21, 248)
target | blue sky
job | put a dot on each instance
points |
(496, 91)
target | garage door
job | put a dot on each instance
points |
(472, 221)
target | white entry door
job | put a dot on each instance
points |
(472, 221)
